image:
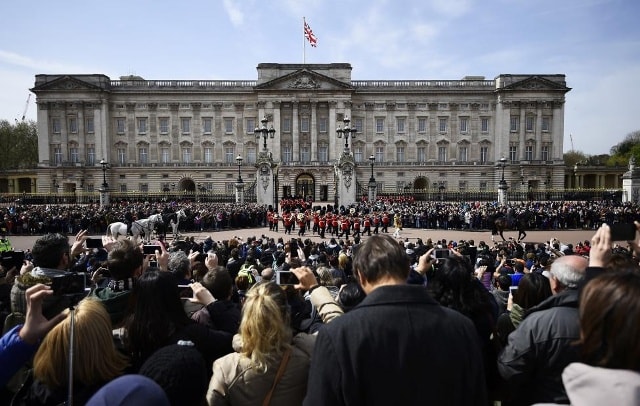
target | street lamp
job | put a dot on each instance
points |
(264, 132)
(105, 166)
(372, 181)
(239, 161)
(372, 159)
(347, 131)
(503, 164)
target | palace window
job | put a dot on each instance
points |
(514, 124)
(55, 125)
(484, 152)
(143, 155)
(513, 154)
(442, 124)
(442, 154)
(422, 125)
(91, 154)
(90, 125)
(186, 125)
(484, 125)
(422, 154)
(207, 125)
(208, 155)
(464, 124)
(142, 126)
(120, 125)
(164, 125)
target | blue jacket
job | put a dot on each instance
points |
(14, 353)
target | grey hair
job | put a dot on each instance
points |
(179, 263)
(569, 270)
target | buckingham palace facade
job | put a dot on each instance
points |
(187, 135)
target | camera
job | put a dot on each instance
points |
(71, 284)
(442, 253)
(10, 259)
(286, 278)
(94, 242)
(150, 249)
(185, 291)
(622, 231)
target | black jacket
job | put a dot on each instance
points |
(540, 348)
(397, 347)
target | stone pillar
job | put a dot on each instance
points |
(104, 197)
(346, 180)
(240, 192)
(502, 193)
(373, 189)
(631, 183)
(265, 179)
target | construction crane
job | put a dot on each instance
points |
(26, 107)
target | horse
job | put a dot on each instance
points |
(519, 221)
(138, 227)
(174, 217)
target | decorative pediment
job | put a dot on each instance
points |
(536, 83)
(66, 83)
(304, 79)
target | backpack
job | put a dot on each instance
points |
(247, 270)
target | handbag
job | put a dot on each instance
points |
(281, 368)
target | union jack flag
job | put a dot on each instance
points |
(309, 35)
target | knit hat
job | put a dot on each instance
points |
(180, 370)
(129, 390)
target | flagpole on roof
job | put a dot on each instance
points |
(304, 45)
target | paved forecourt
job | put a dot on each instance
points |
(20, 242)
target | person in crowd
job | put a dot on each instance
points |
(131, 389)
(20, 343)
(452, 284)
(52, 257)
(157, 318)
(609, 367)
(181, 372)
(268, 355)
(124, 266)
(96, 360)
(440, 354)
(532, 290)
(180, 266)
(222, 314)
(533, 371)
(501, 292)
(350, 295)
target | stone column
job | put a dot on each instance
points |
(631, 183)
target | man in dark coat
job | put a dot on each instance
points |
(398, 346)
(544, 343)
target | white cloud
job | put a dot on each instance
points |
(233, 11)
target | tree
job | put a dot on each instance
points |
(620, 153)
(18, 145)
(573, 157)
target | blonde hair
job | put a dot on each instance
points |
(96, 361)
(265, 328)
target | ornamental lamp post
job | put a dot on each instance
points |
(347, 132)
(104, 190)
(502, 187)
(240, 182)
(264, 132)
(373, 187)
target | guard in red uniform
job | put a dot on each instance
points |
(367, 226)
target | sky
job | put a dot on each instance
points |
(595, 43)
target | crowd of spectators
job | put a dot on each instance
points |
(290, 321)
(69, 219)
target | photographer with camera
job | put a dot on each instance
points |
(52, 257)
(19, 344)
